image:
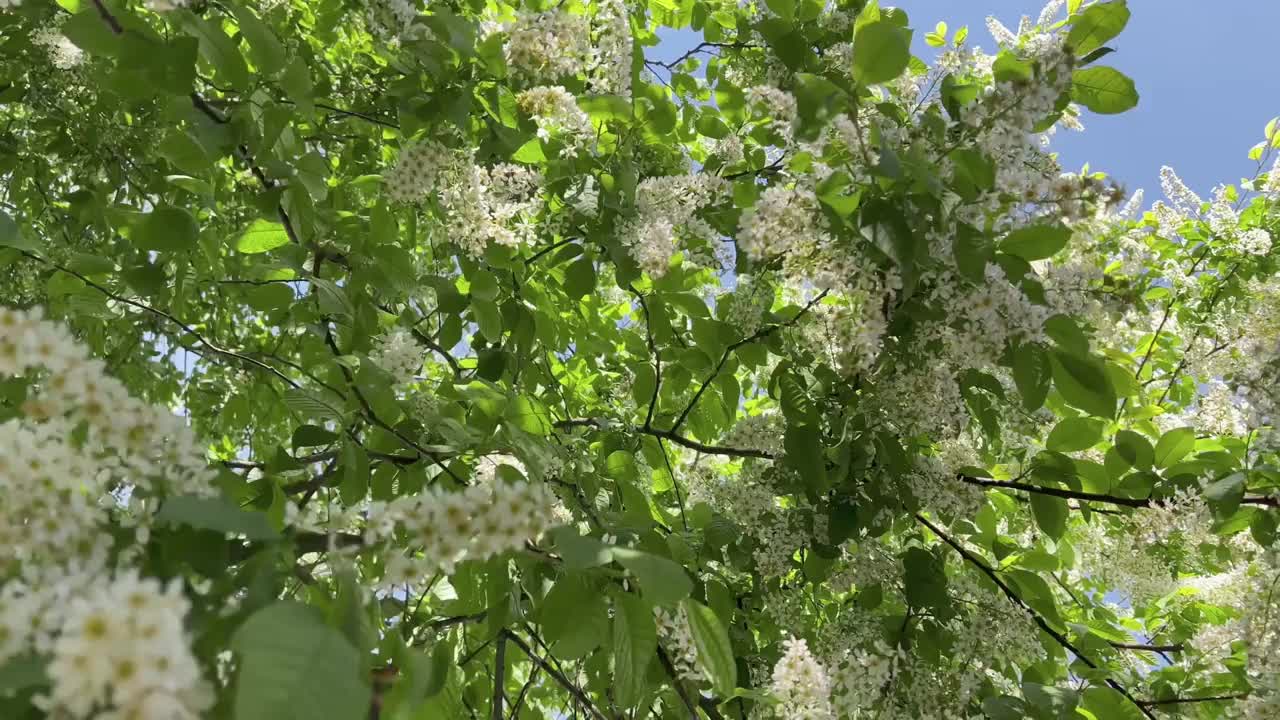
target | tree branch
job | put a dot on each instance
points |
(555, 674)
(1035, 616)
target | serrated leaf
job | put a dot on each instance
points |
(292, 666)
(1050, 513)
(881, 51)
(1083, 384)
(662, 581)
(635, 641)
(12, 236)
(217, 514)
(1036, 242)
(715, 652)
(1174, 445)
(1032, 375)
(1096, 25)
(261, 236)
(1103, 89)
(1075, 433)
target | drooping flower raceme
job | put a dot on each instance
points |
(123, 651)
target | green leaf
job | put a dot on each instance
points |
(217, 49)
(22, 672)
(715, 653)
(165, 228)
(1036, 242)
(1004, 707)
(530, 153)
(1103, 89)
(574, 616)
(268, 53)
(90, 33)
(529, 415)
(355, 474)
(487, 318)
(1075, 433)
(1174, 445)
(217, 514)
(1224, 495)
(804, 453)
(925, 579)
(1050, 513)
(295, 667)
(1106, 703)
(1084, 384)
(662, 581)
(1096, 25)
(580, 278)
(1135, 449)
(881, 52)
(261, 236)
(312, 436)
(12, 236)
(635, 641)
(1032, 375)
(1051, 703)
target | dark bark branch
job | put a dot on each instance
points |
(555, 674)
(1260, 500)
(1035, 616)
(499, 676)
(724, 357)
(1185, 701)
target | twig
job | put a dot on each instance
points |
(555, 674)
(1035, 616)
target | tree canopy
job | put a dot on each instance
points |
(459, 359)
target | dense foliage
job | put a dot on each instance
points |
(373, 358)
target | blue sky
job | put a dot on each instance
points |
(1205, 73)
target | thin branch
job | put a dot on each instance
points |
(1260, 500)
(218, 350)
(499, 676)
(555, 674)
(1035, 616)
(675, 682)
(1185, 701)
(724, 357)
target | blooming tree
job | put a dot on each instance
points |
(380, 358)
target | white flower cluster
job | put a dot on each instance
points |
(1183, 199)
(666, 209)
(400, 354)
(485, 519)
(777, 106)
(391, 20)
(609, 63)
(548, 45)
(675, 636)
(162, 6)
(757, 432)
(1108, 556)
(123, 653)
(1255, 241)
(482, 205)
(747, 305)
(861, 679)
(150, 441)
(1219, 411)
(784, 220)
(936, 487)
(556, 113)
(52, 512)
(801, 684)
(63, 53)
